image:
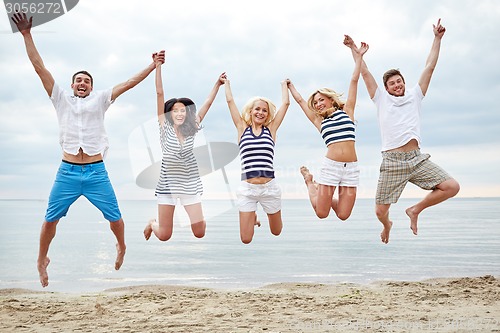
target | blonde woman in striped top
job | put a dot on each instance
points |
(334, 119)
(257, 126)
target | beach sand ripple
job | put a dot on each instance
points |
(444, 305)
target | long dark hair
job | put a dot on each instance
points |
(190, 127)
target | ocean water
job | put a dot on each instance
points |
(460, 237)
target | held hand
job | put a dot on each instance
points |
(438, 29)
(22, 23)
(222, 78)
(160, 57)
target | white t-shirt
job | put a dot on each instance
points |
(81, 120)
(399, 117)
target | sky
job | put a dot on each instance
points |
(258, 44)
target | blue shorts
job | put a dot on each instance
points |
(91, 181)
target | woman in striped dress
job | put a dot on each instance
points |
(334, 119)
(257, 126)
(179, 175)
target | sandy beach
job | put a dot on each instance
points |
(444, 305)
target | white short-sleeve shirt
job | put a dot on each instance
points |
(399, 117)
(81, 120)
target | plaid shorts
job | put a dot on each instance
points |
(399, 168)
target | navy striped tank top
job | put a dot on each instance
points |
(338, 127)
(256, 154)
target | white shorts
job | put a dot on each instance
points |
(268, 195)
(185, 199)
(335, 173)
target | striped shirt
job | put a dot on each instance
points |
(338, 127)
(256, 154)
(179, 171)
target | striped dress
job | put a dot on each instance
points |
(179, 171)
(256, 154)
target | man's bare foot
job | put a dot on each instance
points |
(120, 254)
(42, 271)
(384, 235)
(413, 219)
(149, 229)
(306, 174)
(256, 221)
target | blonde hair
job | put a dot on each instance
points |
(245, 113)
(338, 104)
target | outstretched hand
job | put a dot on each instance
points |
(438, 29)
(363, 48)
(22, 22)
(349, 42)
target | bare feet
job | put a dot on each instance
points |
(256, 221)
(384, 235)
(42, 271)
(120, 254)
(149, 229)
(413, 219)
(306, 174)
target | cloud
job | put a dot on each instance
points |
(259, 44)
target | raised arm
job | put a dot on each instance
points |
(211, 97)
(136, 79)
(432, 59)
(24, 27)
(280, 114)
(160, 95)
(370, 82)
(353, 85)
(233, 109)
(310, 114)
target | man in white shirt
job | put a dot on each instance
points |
(398, 111)
(84, 143)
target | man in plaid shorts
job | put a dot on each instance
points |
(398, 111)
